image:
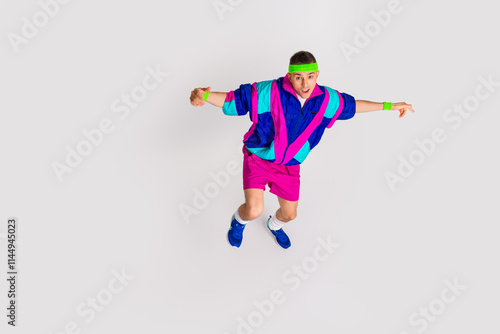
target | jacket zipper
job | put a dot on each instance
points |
(296, 125)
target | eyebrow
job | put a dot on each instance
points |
(306, 74)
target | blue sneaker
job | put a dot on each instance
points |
(235, 233)
(280, 236)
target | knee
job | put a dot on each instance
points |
(254, 211)
(289, 215)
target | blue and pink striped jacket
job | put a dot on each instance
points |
(282, 131)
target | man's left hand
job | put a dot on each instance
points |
(402, 107)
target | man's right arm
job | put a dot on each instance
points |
(215, 98)
(236, 102)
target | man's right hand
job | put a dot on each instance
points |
(197, 96)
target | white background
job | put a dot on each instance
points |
(120, 209)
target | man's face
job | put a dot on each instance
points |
(303, 83)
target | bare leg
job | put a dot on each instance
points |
(287, 210)
(254, 204)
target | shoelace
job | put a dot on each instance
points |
(238, 229)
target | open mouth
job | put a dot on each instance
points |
(305, 91)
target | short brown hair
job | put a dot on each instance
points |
(301, 58)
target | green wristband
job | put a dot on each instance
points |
(387, 106)
(205, 96)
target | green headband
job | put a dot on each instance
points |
(303, 68)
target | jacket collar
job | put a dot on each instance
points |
(287, 85)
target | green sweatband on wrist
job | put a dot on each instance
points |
(387, 106)
(303, 68)
(205, 96)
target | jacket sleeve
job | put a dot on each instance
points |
(340, 106)
(349, 107)
(238, 102)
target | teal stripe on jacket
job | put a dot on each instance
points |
(301, 155)
(266, 153)
(264, 95)
(229, 108)
(333, 104)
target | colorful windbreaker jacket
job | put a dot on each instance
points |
(282, 131)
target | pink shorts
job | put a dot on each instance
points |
(284, 181)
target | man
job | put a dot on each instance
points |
(289, 116)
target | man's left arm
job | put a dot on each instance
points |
(364, 106)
